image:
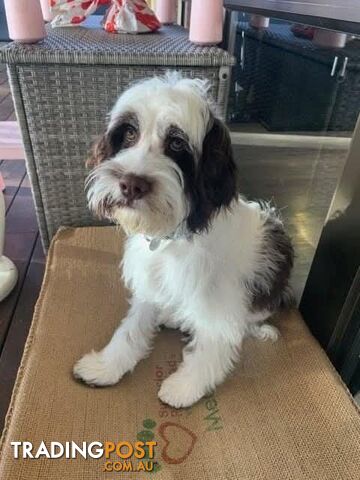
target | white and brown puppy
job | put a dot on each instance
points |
(217, 265)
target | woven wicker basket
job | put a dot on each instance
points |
(63, 88)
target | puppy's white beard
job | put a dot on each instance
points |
(135, 221)
(154, 218)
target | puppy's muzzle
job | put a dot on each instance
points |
(134, 187)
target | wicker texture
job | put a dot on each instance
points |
(61, 103)
(169, 46)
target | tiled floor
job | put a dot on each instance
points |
(22, 245)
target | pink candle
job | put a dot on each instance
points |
(25, 21)
(206, 22)
(329, 39)
(259, 21)
(166, 11)
(45, 7)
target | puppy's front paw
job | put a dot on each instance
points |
(95, 370)
(180, 390)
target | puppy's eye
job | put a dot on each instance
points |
(130, 134)
(177, 144)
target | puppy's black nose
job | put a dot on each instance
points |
(133, 187)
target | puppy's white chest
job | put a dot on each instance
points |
(151, 273)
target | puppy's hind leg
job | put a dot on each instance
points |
(263, 332)
(130, 343)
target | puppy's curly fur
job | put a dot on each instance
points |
(217, 264)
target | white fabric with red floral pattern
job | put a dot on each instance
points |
(122, 16)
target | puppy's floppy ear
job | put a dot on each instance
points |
(217, 166)
(100, 151)
(215, 185)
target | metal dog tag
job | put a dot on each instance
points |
(154, 243)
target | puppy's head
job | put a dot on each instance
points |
(165, 159)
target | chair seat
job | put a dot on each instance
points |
(283, 414)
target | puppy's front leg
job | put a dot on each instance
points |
(206, 362)
(130, 343)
